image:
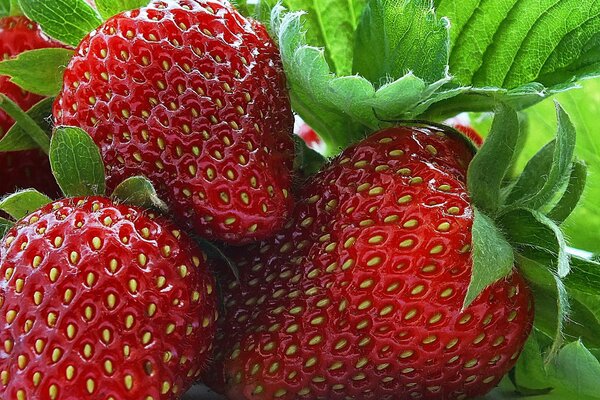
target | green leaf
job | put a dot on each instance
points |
(28, 125)
(508, 44)
(572, 195)
(38, 71)
(530, 373)
(585, 276)
(492, 162)
(5, 226)
(138, 191)
(493, 257)
(531, 232)
(331, 24)
(548, 171)
(68, 21)
(4, 8)
(577, 370)
(109, 8)
(76, 163)
(21, 204)
(395, 37)
(17, 138)
(573, 373)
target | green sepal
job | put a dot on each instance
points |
(76, 163)
(394, 38)
(572, 194)
(573, 373)
(28, 125)
(493, 161)
(547, 172)
(214, 251)
(5, 226)
(551, 296)
(139, 191)
(531, 232)
(529, 375)
(68, 21)
(110, 8)
(493, 257)
(21, 204)
(38, 71)
(17, 138)
(578, 370)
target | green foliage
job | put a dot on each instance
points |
(331, 25)
(20, 204)
(493, 256)
(109, 8)
(38, 71)
(508, 44)
(492, 162)
(572, 374)
(4, 8)
(583, 225)
(26, 122)
(17, 138)
(76, 163)
(572, 194)
(397, 37)
(342, 109)
(66, 20)
(138, 191)
(499, 51)
(531, 232)
(547, 172)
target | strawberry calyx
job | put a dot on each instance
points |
(517, 218)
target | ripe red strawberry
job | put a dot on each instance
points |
(310, 137)
(471, 133)
(24, 168)
(192, 95)
(101, 301)
(360, 296)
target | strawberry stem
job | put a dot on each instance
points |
(27, 123)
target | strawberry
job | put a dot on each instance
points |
(310, 137)
(470, 133)
(361, 295)
(101, 301)
(192, 95)
(23, 168)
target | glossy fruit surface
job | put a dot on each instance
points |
(192, 95)
(22, 169)
(360, 296)
(102, 301)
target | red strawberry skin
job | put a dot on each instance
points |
(101, 301)
(360, 296)
(471, 133)
(192, 95)
(22, 169)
